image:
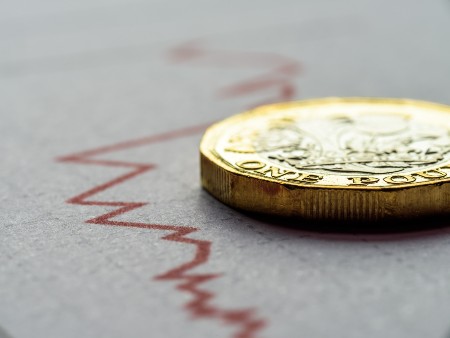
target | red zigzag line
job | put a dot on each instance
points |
(200, 306)
(278, 73)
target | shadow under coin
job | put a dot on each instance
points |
(382, 230)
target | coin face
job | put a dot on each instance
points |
(366, 155)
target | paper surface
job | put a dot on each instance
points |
(106, 231)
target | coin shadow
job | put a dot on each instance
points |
(384, 230)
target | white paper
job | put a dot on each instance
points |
(103, 104)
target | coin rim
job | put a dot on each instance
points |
(210, 137)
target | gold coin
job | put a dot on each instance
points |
(332, 158)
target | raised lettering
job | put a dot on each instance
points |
(432, 174)
(307, 178)
(312, 178)
(399, 179)
(274, 172)
(363, 180)
(251, 165)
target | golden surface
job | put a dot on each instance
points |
(333, 158)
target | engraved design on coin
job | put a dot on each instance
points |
(344, 144)
(332, 158)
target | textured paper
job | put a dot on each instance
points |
(105, 230)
